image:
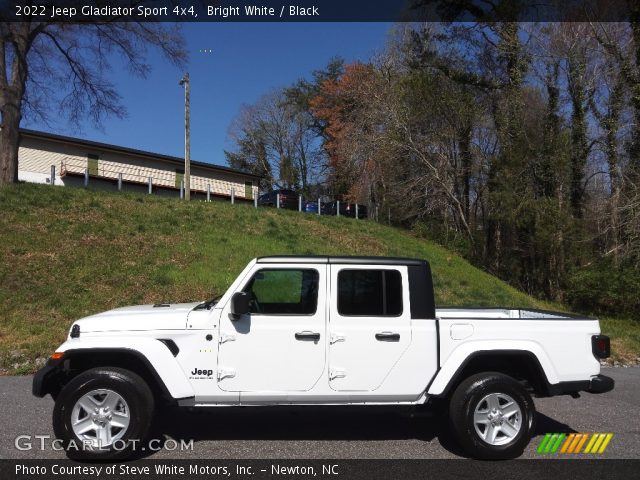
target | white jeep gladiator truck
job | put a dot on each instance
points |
(315, 331)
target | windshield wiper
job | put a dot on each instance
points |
(209, 303)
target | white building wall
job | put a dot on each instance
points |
(35, 157)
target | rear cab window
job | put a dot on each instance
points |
(370, 293)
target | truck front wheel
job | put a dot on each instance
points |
(103, 414)
(492, 416)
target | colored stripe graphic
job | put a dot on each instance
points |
(590, 444)
(596, 446)
(607, 439)
(543, 443)
(582, 440)
(558, 442)
(567, 442)
(550, 443)
(573, 443)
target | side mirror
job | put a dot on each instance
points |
(239, 305)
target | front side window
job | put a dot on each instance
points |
(283, 292)
(371, 293)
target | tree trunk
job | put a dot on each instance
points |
(465, 155)
(12, 87)
(579, 148)
(9, 142)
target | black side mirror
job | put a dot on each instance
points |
(239, 305)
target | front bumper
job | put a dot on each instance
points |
(46, 379)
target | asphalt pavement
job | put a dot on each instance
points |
(327, 432)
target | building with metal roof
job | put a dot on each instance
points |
(75, 161)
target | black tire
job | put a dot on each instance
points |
(467, 397)
(130, 386)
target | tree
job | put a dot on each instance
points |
(338, 106)
(64, 68)
(301, 93)
(274, 139)
(625, 51)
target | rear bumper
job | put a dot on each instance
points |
(601, 384)
(597, 384)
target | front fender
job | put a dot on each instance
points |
(154, 354)
(459, 356)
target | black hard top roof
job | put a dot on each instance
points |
(340, 260)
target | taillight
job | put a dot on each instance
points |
(601, 346)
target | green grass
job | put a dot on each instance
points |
(625, 338)
(69, 252)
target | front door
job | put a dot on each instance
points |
(280, 345)
(369, 325)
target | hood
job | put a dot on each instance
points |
(141, 317)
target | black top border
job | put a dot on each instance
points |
(92, 11)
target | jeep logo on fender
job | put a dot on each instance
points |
(199, 372)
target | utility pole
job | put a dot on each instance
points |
(187, 138)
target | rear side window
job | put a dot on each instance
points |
(283, 292)
(371, 293)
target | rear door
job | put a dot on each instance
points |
(369, 324)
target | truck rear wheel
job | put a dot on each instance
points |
(103, 414)
(492, 416)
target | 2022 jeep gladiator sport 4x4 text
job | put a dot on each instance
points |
(319, 330)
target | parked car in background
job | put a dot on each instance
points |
(288, 199)
(351, 211)
(346, 209)
(312, 207)
(332, 208)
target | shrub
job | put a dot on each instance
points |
(604, 287)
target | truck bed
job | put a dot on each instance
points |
(560, 341)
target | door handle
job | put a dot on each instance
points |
(388, 337)
(306, 335)
(226, 337)
(226, 373)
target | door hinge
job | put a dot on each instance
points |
(226, 337)
(226, 373)
(336, 337)
(337, 373)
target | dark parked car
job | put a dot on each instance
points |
(346, 209)
(351, 210)
(288, 199)
(332, 208)
(312, 207)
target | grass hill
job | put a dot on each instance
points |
(66, 253)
